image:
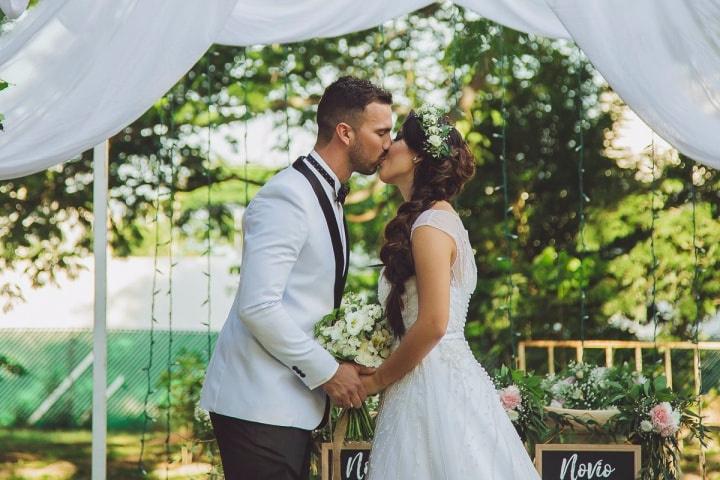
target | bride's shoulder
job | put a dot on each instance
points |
(443, 206)
(439, 211)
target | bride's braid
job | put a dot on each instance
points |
(435, 179)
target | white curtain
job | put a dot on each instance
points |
(81, 70)
(256, 22)
(531, 16)
(260, 22)
(663, 58)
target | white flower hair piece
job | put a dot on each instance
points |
(436, 131)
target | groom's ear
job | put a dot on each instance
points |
(345, 133)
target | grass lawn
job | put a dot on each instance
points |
(64, 455)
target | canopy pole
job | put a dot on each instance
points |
(99, 408)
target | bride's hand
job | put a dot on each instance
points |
(363, 370)
(371, 384)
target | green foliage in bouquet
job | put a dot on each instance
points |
(521, 396)
(356, 332)
(361, 421)
(588, 387)
(651, 415)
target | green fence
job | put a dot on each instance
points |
(51, 356)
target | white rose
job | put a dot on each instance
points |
(646, 426)
(435, 140)
(365, 356)
(334, 333)
(368, 322)
(676, 417)
(513, 415)
(355, 323)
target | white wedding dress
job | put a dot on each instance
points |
(443, 420)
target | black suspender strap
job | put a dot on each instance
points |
(333, 228)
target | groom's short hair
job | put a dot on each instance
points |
(343, 101)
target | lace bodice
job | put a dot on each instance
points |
(463, 277)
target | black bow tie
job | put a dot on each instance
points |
(342, 194)
(344, 189)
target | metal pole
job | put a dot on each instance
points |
(99, 409)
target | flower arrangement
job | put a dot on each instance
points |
(357, 332)
(587, 387)
(651, 415)
(521, 396)
(436, 131)
(641, 411)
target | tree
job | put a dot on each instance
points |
(550, 261)
(541, 93)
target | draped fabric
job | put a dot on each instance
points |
(530, 16)
(260, 22)
(663, 58)
(82, 70)
(283, 21)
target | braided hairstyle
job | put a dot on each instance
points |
(435, 179)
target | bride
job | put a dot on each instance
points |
(440, 416)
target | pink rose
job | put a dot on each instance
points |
(664, 420)
(510, 397)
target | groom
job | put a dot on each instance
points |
(268, 382)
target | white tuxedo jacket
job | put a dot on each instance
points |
(267, 367)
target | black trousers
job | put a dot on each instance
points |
(256, 451)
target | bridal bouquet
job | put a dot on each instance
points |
(357, 332)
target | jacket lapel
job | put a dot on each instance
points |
(341, 264)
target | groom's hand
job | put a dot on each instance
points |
(363, 370)
(345, 388)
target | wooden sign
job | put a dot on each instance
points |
(354, 458)
(584, 462)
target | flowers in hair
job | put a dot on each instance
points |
(436, 130)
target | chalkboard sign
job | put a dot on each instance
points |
(354, 458)
(584, 462)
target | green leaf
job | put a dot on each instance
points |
(660, 383)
